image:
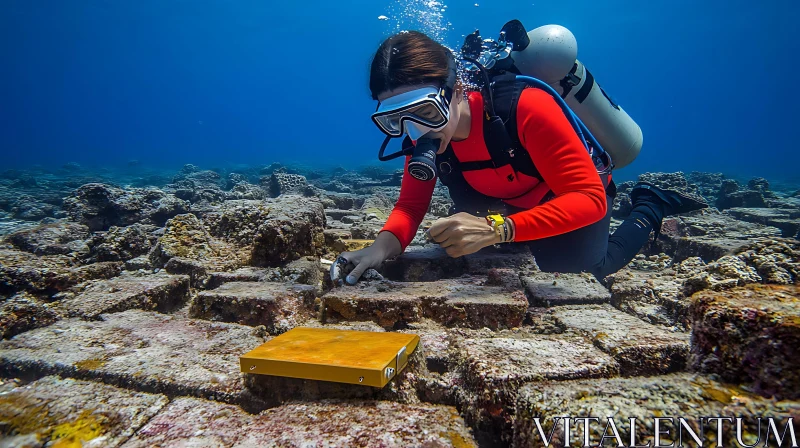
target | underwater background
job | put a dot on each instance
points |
(226, 83)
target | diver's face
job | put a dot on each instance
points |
(446, 132)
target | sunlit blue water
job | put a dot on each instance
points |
(712, 83)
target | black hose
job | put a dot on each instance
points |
(485, 74)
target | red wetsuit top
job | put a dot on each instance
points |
(556, 151)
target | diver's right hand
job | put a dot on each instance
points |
(349, 266)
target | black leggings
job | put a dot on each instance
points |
(591, 249)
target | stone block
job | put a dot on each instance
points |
(123, 243)
(47, 274)
(336, 213)
(51, 239)
(197, 273)
(668, 397)
(493, 370)
(140, 350)
(776, 260)
(710, 236)
(66, 412)
(306, 270)
(749, 335)
(463, 302)
(656, 296)
(157, 292)
(187, 237)
(423, 264)
(434, 340)
(787, 220)
(23, 312)
(277, 306)
(514, 257)
(639, 348)
(553, 289)
(202, 423)
(273, 231)
(194, 422)
(140, 262)
(246, 274)
(353, 423)
(101, 206)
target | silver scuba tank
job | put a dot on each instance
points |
(551, 56)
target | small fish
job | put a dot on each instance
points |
(383, 18)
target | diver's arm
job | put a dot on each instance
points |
(396, 235)
(409, 211)
(388, 245)
(563, 163)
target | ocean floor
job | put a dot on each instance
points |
(126, 299)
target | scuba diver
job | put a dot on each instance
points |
(519, 163)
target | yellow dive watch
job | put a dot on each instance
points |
(500, 226)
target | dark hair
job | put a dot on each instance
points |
(407, 58)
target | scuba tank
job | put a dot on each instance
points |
(549, 53)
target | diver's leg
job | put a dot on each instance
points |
(650, 205)
(592, 249)
(577, 251)
(629, 238)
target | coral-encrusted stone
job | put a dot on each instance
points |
(750, 334)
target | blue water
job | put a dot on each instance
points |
(712, 83)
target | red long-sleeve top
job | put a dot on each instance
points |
(558, 154)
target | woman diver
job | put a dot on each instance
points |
(560, 207)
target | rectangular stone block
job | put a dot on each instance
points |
(140, 350)
(248, 274)
(67, 412)
(47, 274)
(668, 397)
(194, 422)
(553, 289)
(749, 335)
(356, 423)
(653, 296)
(515, 257)
(423, 264)
(788, 220)
(493, 370)
(338, 214)
(159, 292)
(273, 231)
(434, 342)
(23, 312)
(639, 348)
(200, 423)
(463, 302)
(710, 236)
(277, 306)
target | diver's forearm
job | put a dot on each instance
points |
(388, 245)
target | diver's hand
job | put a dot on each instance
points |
(349, 266)
(463, 234)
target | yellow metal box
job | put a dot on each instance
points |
(343, 356)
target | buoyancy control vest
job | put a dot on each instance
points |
(469, 179)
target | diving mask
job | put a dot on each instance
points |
(416, 112)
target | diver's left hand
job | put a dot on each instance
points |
(463, 234)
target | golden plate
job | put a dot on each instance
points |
(343, 356)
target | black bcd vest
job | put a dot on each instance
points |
(502, 142)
